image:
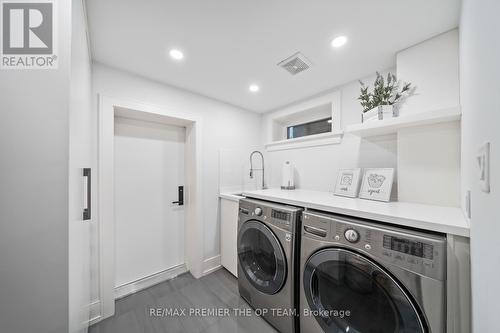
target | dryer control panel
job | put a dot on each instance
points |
(408, 246)
(417, 251)
(282, 216)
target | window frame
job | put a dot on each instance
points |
(277, 122)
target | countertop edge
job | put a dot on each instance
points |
(231, 196)
(456, 229)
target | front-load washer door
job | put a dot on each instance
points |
(261, 257)
(348, 292)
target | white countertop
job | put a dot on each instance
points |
(449, 220)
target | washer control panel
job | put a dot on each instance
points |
(419, 252)
(409, 247)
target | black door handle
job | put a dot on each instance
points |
(86, 210)
(180, 193)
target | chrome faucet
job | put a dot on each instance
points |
(252, 169)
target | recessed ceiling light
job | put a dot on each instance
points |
(176, 54)
(253, 88)
(339, 41)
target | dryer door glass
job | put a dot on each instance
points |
(348, 292)
(261, 257)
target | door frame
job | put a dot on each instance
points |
(108, 107)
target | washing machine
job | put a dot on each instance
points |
(268, 260)
(358, 276)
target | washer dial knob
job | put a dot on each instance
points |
(258, 211)
(351, 235)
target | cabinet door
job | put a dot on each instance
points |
(229, 232)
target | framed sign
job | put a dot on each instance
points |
(348, 182)
(377, 184)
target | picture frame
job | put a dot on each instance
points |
(377, 184)
(347, 184)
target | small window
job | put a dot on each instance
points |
(309, 128)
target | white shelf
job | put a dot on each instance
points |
(306, 141)
(392, 125)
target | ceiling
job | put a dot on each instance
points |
(230, 44)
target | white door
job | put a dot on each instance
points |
(149, 228)
(82, 154)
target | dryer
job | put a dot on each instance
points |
(358, 276)
(268, 260)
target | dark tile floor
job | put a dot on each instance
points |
(218, 290)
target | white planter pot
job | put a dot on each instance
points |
(378, 113)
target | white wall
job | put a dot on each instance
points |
(81, 155)
(429, 156)
(429, 164)
(224, 126)
(432, 67)
(479, 88)
(34, 150)
(234, 170)
(316, 167)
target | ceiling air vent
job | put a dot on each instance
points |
(295, 64)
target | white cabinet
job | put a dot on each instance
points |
(228, 233)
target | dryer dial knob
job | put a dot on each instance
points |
(258, 211)
(351, 235)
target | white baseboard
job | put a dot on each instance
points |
(211, 264)
(95, 320)
(149, 281)
(94, 312)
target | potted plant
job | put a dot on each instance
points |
(385, 99)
